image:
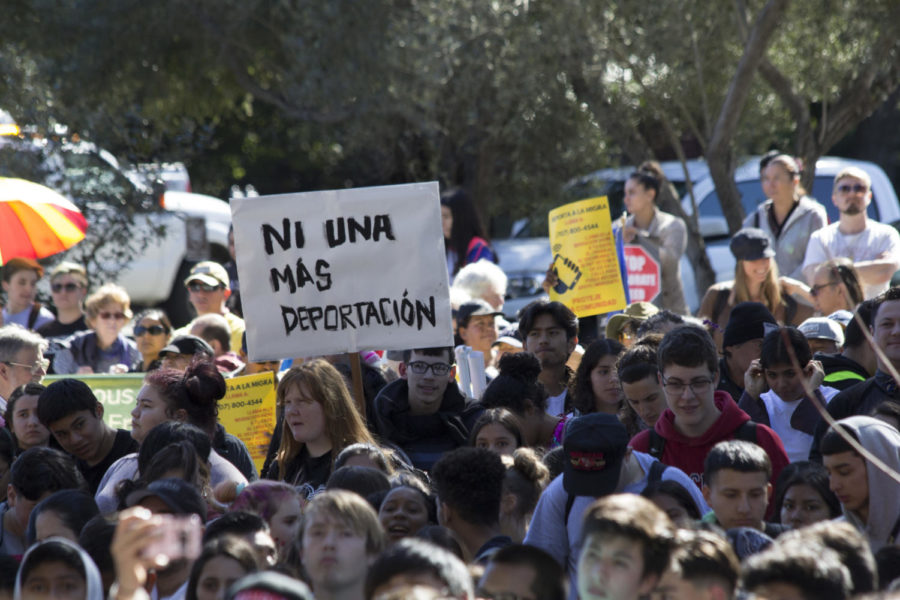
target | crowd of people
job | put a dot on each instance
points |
(750, 449)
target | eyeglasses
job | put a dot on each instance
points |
(69, 287)
(152, 330)
(858, 188)
(814, 290)
(196, 286)
(111, 315)
(676, 388)
(420, 367)
(40, 365)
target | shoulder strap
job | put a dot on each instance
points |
(746, 432)
(756, 219)
(656, 472)
(719, 305)
(656, 444)
(790, 309)
(570, 501)
(33, 315)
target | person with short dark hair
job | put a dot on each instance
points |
(469, 486)
(675, 499)
(61, 514)
(248, 526)
(549, 330)
(868, 495)
(703, 567)
(638, 372)
(424, 412)
(414, 561)
(341, 536)
(698, 416)
(35, 474)
(862, 398)
(795, 571)
(742, 344)
(72, 413)
(20, 277)
(850, 545)
(214, 330)
(524, 572)
(630, 532)
(736, 485)
(786, 368)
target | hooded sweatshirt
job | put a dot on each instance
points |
(93, 584)
(688, 453)
(883, 525)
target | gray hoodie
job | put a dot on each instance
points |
(883, 441)
(790, 246)
(93, 584)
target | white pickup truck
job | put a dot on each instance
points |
(140, 236)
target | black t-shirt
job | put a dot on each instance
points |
(307, 473)
(56, 329)
(123, 444)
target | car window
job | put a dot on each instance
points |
(752, 195)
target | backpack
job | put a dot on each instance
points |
(655, 474)
(657, 443)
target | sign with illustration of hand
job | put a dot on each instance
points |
(342, 271)
(248, 412)
(584, 258)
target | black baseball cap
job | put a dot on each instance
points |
(474, 308)
(751, 243)
(179, 495)
(594, 445)
(187, 344)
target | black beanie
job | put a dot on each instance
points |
(747, 323)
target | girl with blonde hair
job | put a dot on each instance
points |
(755, 280)
(320, 420)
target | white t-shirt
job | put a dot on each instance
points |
(796, 443)
(876, 239)
(556, 405)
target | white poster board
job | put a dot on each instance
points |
(342, 271)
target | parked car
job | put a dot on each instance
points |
(525, 260)
(140, 236)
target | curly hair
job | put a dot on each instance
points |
(470, 480)
(516, 388)
(584, 391)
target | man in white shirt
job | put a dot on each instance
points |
(873, 247)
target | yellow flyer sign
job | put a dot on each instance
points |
(248, 412)
(584, 258)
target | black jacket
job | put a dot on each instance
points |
(424, 437)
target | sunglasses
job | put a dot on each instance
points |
(152, 330)
(195, 286)
(858, 188)
(817, 289)
(111, 315)
(69, 287)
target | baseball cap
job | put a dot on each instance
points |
(751, 243)
(508, 339)
(748, 321)
(69, 268)
(822, 328)
(594, 446)
(843, 317)
(187, 344)
(639, 311)
(474, 308)
(268, 585)
(179, 495)
(210, 273)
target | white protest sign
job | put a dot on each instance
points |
(342, 271)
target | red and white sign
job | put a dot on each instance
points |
(643, 274)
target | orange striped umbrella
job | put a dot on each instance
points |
(36, 221)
